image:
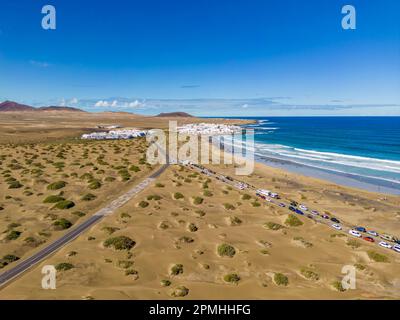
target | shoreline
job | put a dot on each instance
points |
(341, 179)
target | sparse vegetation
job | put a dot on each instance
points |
(64, 266)
(176, 269)
(232, 278)
(64, 204)
(178, 195)
(62, 224)
(226, 250)
(377, 257)
(119, 243)
(56, 185)
(280, 279)
(273, 226)
(143, 204)
(53, 199)
(293, 221)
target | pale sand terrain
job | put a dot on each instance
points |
(163, 238)
(99, 272)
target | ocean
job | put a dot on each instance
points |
(362, 152)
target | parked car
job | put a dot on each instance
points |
(315, 212)
(372, 233)
(294, 203)
(369, 239)
(310, 216)
(355, 233)
(337, 226)
(396, 248)
(335, 220)
(385, 245)
(325, 216)
(282, 205)
(386, 237)
(360, 229)
(292, 208)
(299, 212)
(303, 207)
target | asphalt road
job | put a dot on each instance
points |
(73, 233)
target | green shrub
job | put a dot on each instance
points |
(154, 197)
(53, 199)
(124, 264)
(180, 291)
(64, 266)
(246, 197)
(62, 224)
(273, 226)
(79, 213)
(293, 221)
(235, 221)
(256, 204)
(143, 204)
(120, 243)
(160, 185)
(309, 274)
(232, 278)
(95, 184)
(192, 227)
(377, 257)
(110, 230)
(65, 204)
(359, 266)
(134, 168)
(226, 250)
(338, 286)
(109, 179)
(88, 197)
(13, 235)
(165, 283)
(176, 269)
(178, 195)
(207, 193)
(280, 279)
(197, 200)
(15, 185)
(10, 258)
(229, 206)
(56, 185)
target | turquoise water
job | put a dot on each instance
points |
(362, 148)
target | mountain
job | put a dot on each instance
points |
(57, 108)
(174, 115)
(11, 106)
(14, 106)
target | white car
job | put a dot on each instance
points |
(337, 226)
(303, 207)
(396, 248)
(315, 212)
(355, 233)
(372, 233)
(385, 245)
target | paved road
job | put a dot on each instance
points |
(26, 264)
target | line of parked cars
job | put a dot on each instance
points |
(297, 208)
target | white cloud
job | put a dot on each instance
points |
(135, 104)
(114, 103)
(73, 101)
(102, 103)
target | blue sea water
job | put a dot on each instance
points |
(365, 149)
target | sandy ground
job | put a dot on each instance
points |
(171, 232)
(165, 235)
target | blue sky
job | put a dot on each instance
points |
(207, 57)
